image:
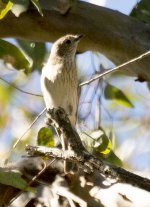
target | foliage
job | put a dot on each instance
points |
(17, 7)
(113, 93)
(45, 137)
(14, 179)
(142, 11)
(14, 56)
(4, 8)
(35, 50)
(98, 143)
(38, 6)
(97, 140)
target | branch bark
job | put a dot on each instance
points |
(59, 120)
(116, 35)
(92, 185)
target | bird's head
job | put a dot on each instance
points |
(66, 46)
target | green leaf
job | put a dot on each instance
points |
(102, 143)
(14, 179)
(45, 137)
(113, 93)
(142, 11)
(87, 140)
(36, 51)
(19, 6)
(6, 94)
(14, 56)
(114, 159)
(97, 140)
(38, 6)
(4, 8)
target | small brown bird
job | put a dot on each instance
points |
(59, 76)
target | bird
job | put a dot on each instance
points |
(59, 82)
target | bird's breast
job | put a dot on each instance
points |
(59, 86)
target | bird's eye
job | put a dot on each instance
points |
(68, 42)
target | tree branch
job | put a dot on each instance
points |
(59, 120)
(25, 132)
(116, 35)
(119, 67)
(19, 89)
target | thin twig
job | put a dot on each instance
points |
(115, 69)
(32, 180)
(36, 118)
(18, 140)
(98, 105)
(19, 89)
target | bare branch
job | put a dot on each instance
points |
(18, 140)
(19, 89)
(34, 121)
(120, 67)
(59, 120)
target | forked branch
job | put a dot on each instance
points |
(59, 120)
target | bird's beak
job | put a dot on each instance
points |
(78, 37)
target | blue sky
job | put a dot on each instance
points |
(124, 6)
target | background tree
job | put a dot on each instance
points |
(113, 115)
